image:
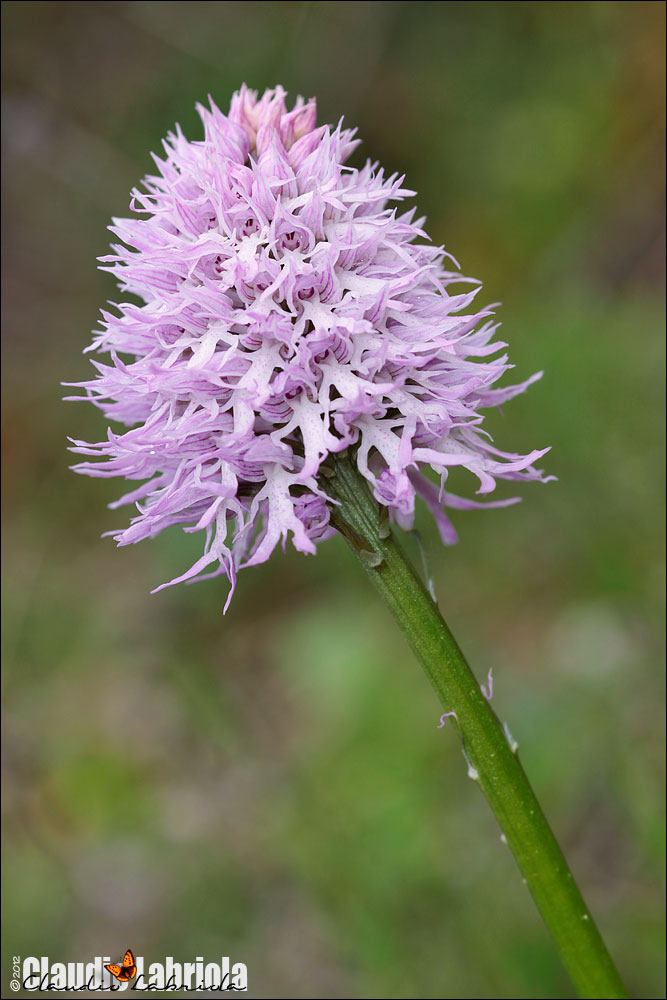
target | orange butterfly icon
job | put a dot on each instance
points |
(126, 971)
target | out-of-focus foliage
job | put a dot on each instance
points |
(272, 785)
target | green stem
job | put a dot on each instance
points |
(490, 751)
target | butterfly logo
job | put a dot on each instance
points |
(126, 971)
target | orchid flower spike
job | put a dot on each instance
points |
(289, 309)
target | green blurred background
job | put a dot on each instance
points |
(272, 785)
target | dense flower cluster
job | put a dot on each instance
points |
(288, 312)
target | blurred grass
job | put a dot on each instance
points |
(272, 785)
